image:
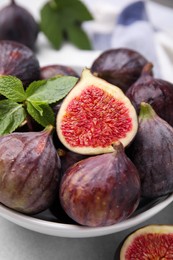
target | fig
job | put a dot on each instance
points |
(94, 115)
(29, 171)
(50, 71)
(17, 24)
(151, 151)
(149, 242)
(68, 158)
(101, 190)
(157, 92)
(60, 215)
(18, 60)
(120, 67)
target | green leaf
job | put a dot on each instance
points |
(32, 88)
(57, 16)
(74, 9)
(42, 113)
(11, 87)
(52, 90)
(50, 25)
(12, 115)
(78, 37)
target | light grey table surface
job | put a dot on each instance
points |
(17, 243)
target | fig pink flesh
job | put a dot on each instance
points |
(95, 118)
(151, 246)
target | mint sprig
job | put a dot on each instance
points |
(12, 115)
(35, 100)
(61, 20)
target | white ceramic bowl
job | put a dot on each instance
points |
(47, 223)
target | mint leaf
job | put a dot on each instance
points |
(12, 115)
(32, 88)
(74, 9)
(52, 90)
(12, 88)
(58, 16)
(51, 25)
(78, 37)
(42, 113)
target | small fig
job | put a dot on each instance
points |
(149, 242)
(51, 71)
(157, 92)
(17, 24)
(120, 67)
(29, 171)
(94, 115)
(18, 60)
(68, 158)
(101, 190)
(152, 153)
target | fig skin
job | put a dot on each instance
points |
(50, 71)
(120, 67)
(157, 92)
(58, 212)
(18, 60)
(101, 190)
(157, 239)
(152, 153)
(29, 171)
(94, 115)
(17, 24)
(68, 158)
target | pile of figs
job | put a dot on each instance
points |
(112, 144)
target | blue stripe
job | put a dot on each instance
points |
(132, 13)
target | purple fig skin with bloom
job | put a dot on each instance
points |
(101, 190)
(152, 153)
(121, 67)
(18, 60)
(50, 71)
(29, 171)
(157, 92)
(19, 25)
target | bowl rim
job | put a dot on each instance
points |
(75, 231)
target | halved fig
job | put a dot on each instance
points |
(150, 242)
(94, 115)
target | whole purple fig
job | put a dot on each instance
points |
(29, 171)
(152, 153)
(17, 24)
(121, 66)
(50, 71)
(157, 92)
(18, 60)
(101, 190)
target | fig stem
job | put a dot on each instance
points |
(147, 69)
(49, 128)
(13, 2)
(146, 111)
(118, 146)
(29, 123)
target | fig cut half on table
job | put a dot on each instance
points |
(150, 242)
(94, 115)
